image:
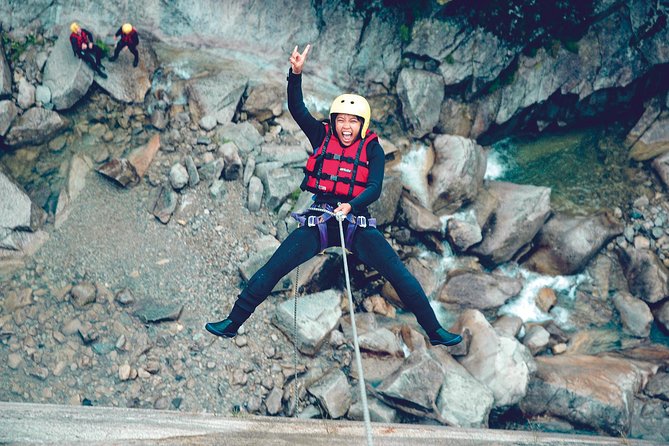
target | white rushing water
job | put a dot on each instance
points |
(524, 304)
(411, 169)
(496, 166)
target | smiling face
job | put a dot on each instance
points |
(347, 128)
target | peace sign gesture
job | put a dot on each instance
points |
(297, 60)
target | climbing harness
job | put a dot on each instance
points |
(328, 212)
(303, 219)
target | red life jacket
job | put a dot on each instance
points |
(339, 170)
(81, 38)
(127, 38)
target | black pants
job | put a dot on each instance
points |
(369, 246)
(92, 57)
(133, 49)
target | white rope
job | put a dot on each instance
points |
(295, 388)
(361, 379)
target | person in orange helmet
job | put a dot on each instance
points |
(82, 44)
(129, 38)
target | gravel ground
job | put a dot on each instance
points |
(112, 241)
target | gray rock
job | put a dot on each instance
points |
(153, 312)
(317, 316)
(35, 126)
(280, 184)
(244, 135)
(381, 342)
(217, 190)
(333, 393)
(249, 169)
(26, 96)
(385, 208)
(67, 77)
(536, 339)
(208, 122)
(462, 401)
(255, 193)
(419, 218)
(565, 244)
(8, 112)
(661, 166)
(521, 213)
(479, 290)
(508, 326)
(501, 363)
(166, 203)
(83, 293)
(193, 176)
(178, 176)
(286, 154)
(378, 412)
(42, 94)
(5, 74)
(634, 313)
(648, 278)
(464, 53)
(17, 211)
(421, 93)
(233, 162)
(416, 384)
(216, 96)
(120, 171)
(649, 420)
(265, 101)
(126, 83)
(457, 174)
(602, 389)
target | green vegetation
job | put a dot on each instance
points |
(571, 46)
(405, 34)
(103, 47)
(14, 48)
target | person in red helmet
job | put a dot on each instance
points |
(345, 174)
(128, 37)
(84, 48)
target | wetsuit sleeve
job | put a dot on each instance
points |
(75, 46)
(135, 38)
(312, 127)
(118, 33)
(88, 34)
(377, 161)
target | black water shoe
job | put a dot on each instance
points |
(222, 328)
(443, 337)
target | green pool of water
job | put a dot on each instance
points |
(587, 170)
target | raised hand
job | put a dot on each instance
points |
(297, 60)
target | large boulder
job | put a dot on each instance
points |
(457, 173)
(661, 166)
(648, 278)
(565, 244)
(127, 83)
(317, 315)
(588, 390)
(35, 126)
(67, 77)
(385, 208)
(421, 93)
(521, 213)
(479, 290)
(464, 53)
(216, 95)
(501, 363)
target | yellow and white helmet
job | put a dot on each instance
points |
(352, 104)
(74, 27)
(126, 28)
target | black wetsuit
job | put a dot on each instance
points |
(131, 41)
(369, 246)
(91, 56)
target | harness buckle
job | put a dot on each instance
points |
(312, 221)
(361, 221)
